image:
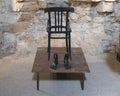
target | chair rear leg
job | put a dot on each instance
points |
(49, 47)
(70, 46)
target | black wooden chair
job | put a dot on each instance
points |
(58, 23)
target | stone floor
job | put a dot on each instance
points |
(16, 78)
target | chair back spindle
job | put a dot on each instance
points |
(58, 18)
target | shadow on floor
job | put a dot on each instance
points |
(58, 76)
(113, 63)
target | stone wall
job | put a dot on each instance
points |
(95, 25)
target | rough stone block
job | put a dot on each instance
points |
(96, 0)
(84, 0)
(20, 26)
(42, 4)
(72, 1)
(6, 28)
(16, 5)
(9, 42)
(25, 16)
(30, 0)
(78, 3)
(110, 0)
(25, 6)
(20, 0)
(58, 3)
(29, 6)
(0, 38)
(17, 27)
(105, 7)
(117, 12)
(118, 0)
(80, 0)
(25, 0)
(74, 17)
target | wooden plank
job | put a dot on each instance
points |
(78, 62)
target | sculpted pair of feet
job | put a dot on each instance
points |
(55, 61)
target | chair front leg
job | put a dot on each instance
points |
(67, 43)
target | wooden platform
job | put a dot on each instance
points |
(78, 63)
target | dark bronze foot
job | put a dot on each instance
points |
(55, 62)
(66, 62)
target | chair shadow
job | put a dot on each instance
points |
(113, 63)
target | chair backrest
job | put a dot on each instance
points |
(58, 17)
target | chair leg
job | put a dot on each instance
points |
(49, 46)
(67, 44)
(70, 46)
(82, 80)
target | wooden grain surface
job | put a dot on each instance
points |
(78, 62)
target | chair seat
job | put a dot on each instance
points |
(58, 29)
(58, 37)
(61, 32)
